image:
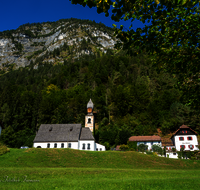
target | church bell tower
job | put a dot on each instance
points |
(89, 118)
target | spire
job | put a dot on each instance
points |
(90, 104)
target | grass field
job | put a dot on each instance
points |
(72, 169)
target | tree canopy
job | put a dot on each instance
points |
(172, 37)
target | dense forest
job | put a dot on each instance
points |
(130, 95)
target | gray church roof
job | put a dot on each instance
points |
(86, 134)
(58, 133)
(90, 104)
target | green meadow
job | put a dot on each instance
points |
(74, 169)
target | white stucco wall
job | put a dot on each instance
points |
(186, 142)
(91, 142)
(149, 143)
(74, 145)
(99, 147)
(171, 155)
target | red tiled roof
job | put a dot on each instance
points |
(145, 138)
(166, 142)
(183, 127)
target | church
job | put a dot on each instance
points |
(69, 135)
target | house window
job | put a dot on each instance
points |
(174, 153)
(96, 149)
(83, 146)
(48, 145)
(88, 146)
(182, 146)
(181, 138)
(62, 145)
(151, 143)
(184, 131)
(89, 120)
(100, 149)
(69, 145)
(190, 146)
(189, 138)
(145, 142)
(55, 145)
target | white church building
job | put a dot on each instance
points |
(69, 135)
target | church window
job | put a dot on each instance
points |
(48, 145)
(88, 146)
(55, 145)
(83, 146)
(89, 120)
(69, 145)
(62, 145)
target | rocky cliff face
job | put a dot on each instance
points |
(31, 41)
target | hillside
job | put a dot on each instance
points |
(65, 63)
(86, 159)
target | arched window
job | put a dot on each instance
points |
(55, 145)
(62, 145)
(83, 146)
(88, 146)
(48, 145)
(69, 145)
(89, 120)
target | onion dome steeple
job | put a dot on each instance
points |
(90, 107)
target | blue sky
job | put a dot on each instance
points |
(17, 12)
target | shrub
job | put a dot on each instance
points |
(132, 145)
(149, 152)
(142, 147)
(124, 147)
(3, 149)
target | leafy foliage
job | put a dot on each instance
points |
(172, 37)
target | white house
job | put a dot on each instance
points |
(184, 137)
(68, 135)
(147, 140)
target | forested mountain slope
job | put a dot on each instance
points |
(130, 96)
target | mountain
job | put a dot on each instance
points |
(49, 71)
(46, 41)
